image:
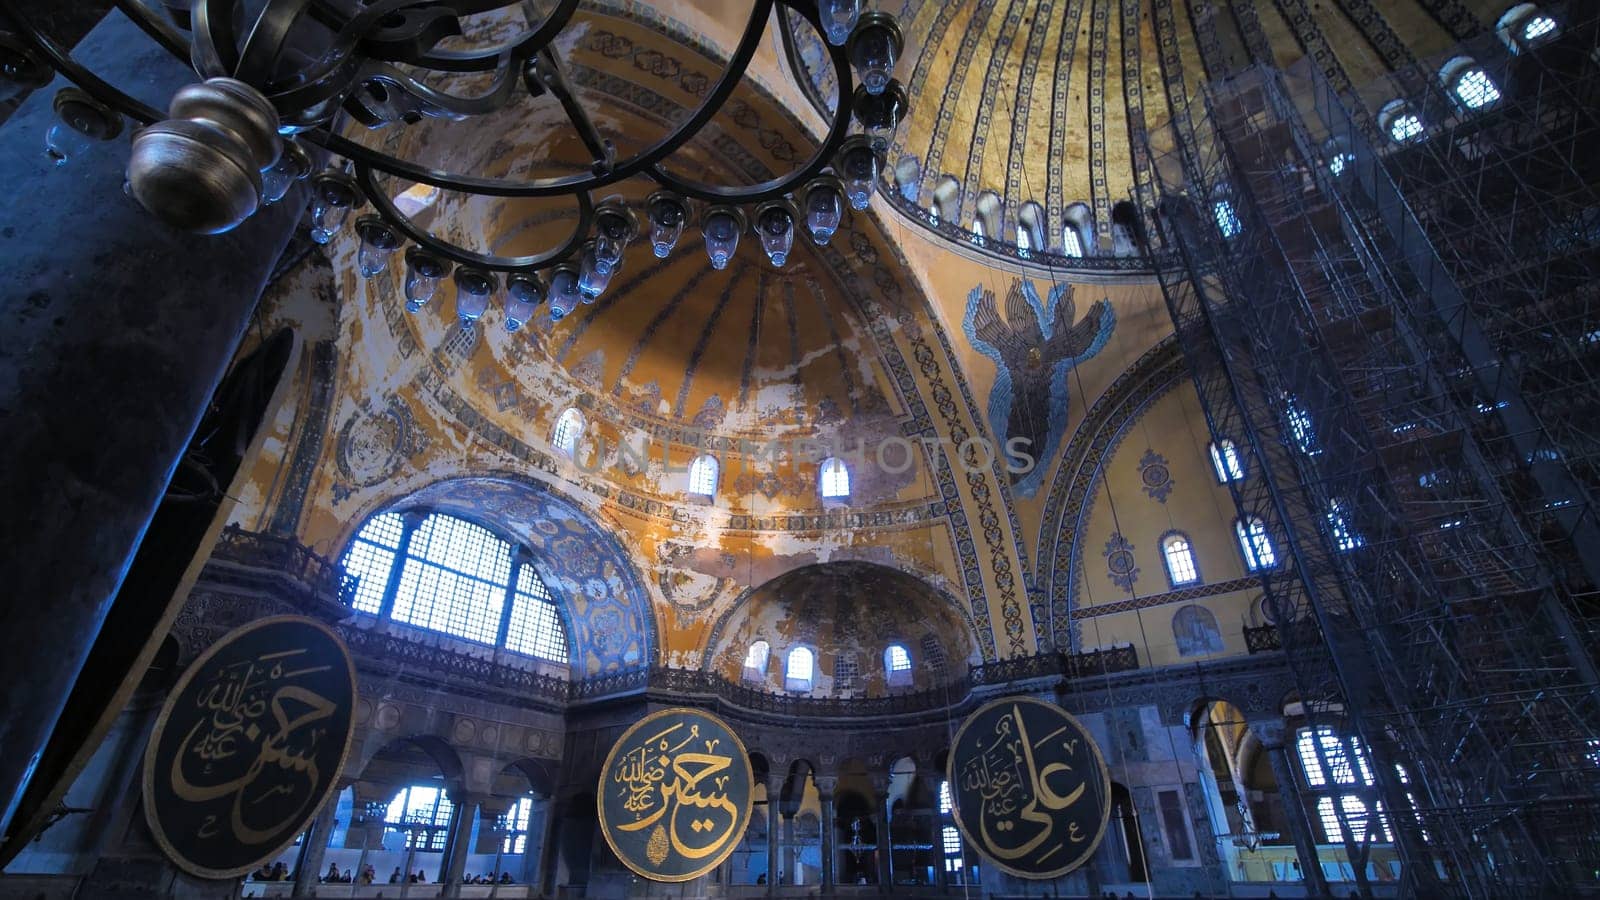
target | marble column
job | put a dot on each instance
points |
(880, 797)
(789, 857)
(1272, 739)
(458, 842)
(825, 787)
(315, 850)
(116, 330)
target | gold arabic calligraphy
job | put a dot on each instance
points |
(1019, 797)
(252, 706)
(677, 775)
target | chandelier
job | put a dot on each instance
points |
(284, 80)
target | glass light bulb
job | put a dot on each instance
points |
(377, 245)
(326, 220)
(564, 296)
(824, 210)
(666, 226)
(420, 288)
(523, 296)
(471, 305)
(275, 183)
(839, 19)
(63, 142)
(722, 238)
(873, 55)
(860, 174)
(610, 240)
(593, 279)
(777, 234)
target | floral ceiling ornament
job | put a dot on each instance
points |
(1121, 567)
(1155, 475)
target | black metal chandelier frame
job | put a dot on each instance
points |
(366, 72)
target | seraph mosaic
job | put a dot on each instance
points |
(1034, 347)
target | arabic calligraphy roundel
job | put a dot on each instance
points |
(249, 745)
(1029, 787)
(675, 794)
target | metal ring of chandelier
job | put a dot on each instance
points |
(231, 143)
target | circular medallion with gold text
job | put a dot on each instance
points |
(675, 794)
(249, 745)
(1029, 787)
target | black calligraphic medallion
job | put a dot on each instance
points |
(1030, 789)
(249, 745)
(675, 794)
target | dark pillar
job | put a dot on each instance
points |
(1294, 809)
(885, 854)
(825, 786)
(789, 859)
(774, 791)
(315, 849)
(114, 331)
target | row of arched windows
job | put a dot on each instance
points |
(705, 472)
(1255, 546)
(800, 665)
(1030, 230)
(1469, 86)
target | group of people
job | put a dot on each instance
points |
(348, 876)
(335, 875)
(487, 878)
(276, 872)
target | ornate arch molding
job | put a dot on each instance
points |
(604, 603)
(1071, 495)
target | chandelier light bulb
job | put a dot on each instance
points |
(593, 278)
(875, 47)
(775, 226)
(292, 165)
(524, 293)
(858, 164)
(564, 296)
(824, 201)
(334, 195)
(668, 214)
(378, 243)
(615, 226)
(423, 272)
(880, 114)
(473, 289)
(839, 19)
(721, 232)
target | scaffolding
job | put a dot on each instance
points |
(1406, 337)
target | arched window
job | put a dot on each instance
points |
(979, 233)
(1179, 556)
(1301, 428)
(1195, 632)
(422, 813)
(1225, 461)
(1071, 243)
(990, 216)
(516, 826)
(1468, 83)
(1078, 219)
(1343, 537)
(1336, 767)
(908, 178)
(703, 476)
(1127, 234)
(1400, 122)
(950, 837)
(1255, 544)
(1227, 219)
(800, 669)
(454, 577)
(946, 200)
(755, 661)
(897, 665)
(834, 478)
(1525, 25)
(1030, 228)
(568, 429)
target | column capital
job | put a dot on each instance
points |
(1272, 733)
(826, 784)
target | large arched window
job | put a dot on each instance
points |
(834, 479)
(568, 429)
(1179, 557)
(422, 813)
(1255, 544)
(755, 661)
(1336, 768)
(1400, 122)
(1078, 220)
(950, 837)
(990, 217)
(1525, 25)
(450, 575)
(703, 476)
(1225, 461)
(1030, 228)
(799, 669)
